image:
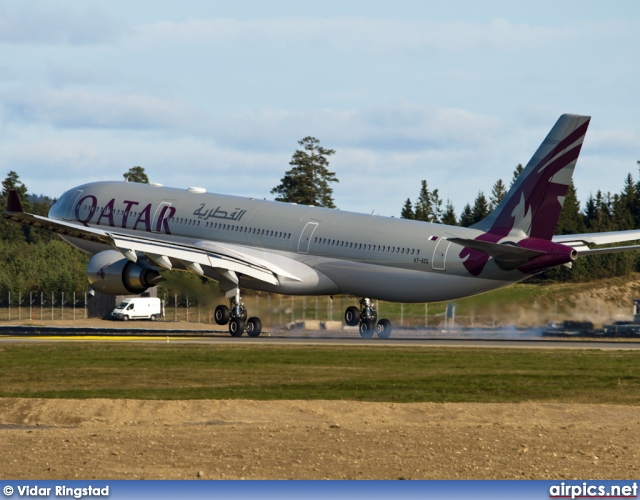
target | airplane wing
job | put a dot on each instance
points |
(580, 241)
(164, 254)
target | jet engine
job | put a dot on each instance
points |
(109, 272)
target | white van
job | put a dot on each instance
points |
(139, 308)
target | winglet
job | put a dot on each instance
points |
(13, 202)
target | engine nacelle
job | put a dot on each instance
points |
(109, 272)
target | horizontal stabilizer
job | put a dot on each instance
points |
(506, 252)
(530, 255)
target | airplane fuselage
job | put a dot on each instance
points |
(327, 251)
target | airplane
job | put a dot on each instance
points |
(137, 231)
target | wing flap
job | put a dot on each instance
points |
(192, 258)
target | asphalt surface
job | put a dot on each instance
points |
(425, 338)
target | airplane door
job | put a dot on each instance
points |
(305, 237)
(71, 207)
(440, 255)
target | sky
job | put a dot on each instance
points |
(217, 94)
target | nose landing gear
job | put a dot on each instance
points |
(366, 318)
(236, 316)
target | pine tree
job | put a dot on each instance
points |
(449, 215)
(407, 210)
(136, 174)
(598, 213)
(466, 217)
(480, 208)
(623, 207)
(424, 209)
(436, 207)
(308, 181)
(498, 193)
(11, 231)
(570, 220)
(516, 173)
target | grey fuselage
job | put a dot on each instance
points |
(328, 251)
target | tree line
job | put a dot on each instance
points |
(428, 205)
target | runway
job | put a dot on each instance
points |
(401, 338)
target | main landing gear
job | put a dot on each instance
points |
(236, 316)
(366, 318)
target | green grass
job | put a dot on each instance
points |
(394, 374)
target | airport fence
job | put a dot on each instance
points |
(280, 311)
(276, 311)
(43, 306)
(283, 311)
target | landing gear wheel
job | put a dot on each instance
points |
(236, 327)
(367, 327)
(221, 315)
(254, 327)
(352, 316)
(383, 329)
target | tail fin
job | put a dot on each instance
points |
(533, 205)
(13, 202)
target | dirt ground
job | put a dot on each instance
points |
(131, 439)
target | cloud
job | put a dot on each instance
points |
(51, 161)
(371, 36)
(79, 108)
(33, 23)
(399, 126)
(599, 142)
